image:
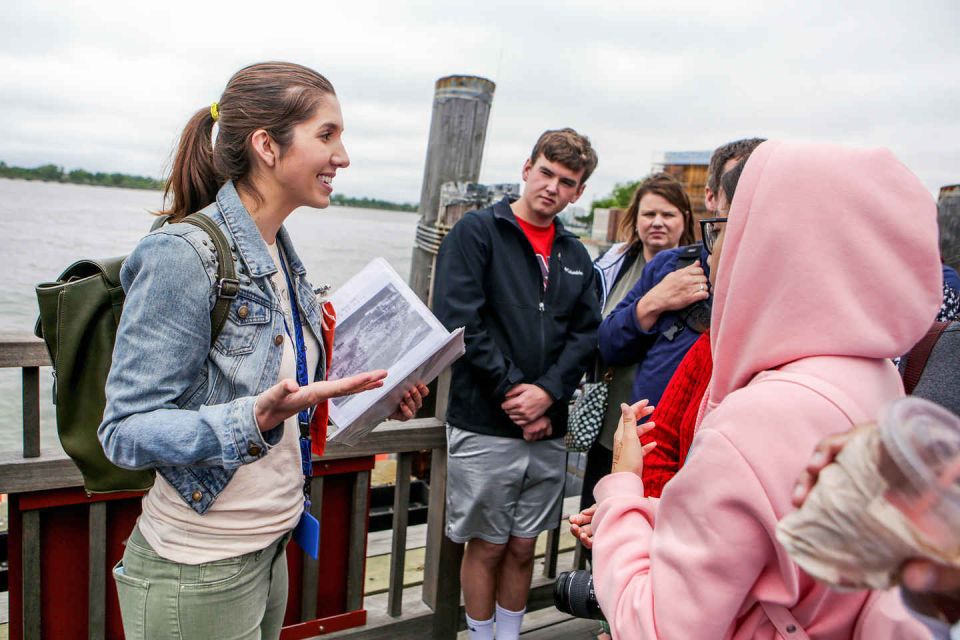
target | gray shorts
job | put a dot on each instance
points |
(502, 487)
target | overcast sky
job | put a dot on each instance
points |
(107, 85)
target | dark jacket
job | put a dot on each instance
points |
(488, 280)
(658, 351)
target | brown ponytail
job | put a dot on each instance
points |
(273, 96)
(193, 181)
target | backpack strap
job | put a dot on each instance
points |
(227, 285)
(919, 354)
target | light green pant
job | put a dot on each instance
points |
(241, 598)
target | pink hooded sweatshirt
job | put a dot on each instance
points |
(829, 267)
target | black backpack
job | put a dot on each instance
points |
(79, 315)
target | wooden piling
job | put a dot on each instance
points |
(458, 129)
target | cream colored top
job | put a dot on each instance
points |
(261, 502)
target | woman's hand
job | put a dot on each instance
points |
(628, 453)
(411, 402)
(825, 453)
(581, 527)
(287, 398)
(678, 290)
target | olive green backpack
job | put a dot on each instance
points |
(79, 314)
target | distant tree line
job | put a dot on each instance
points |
(53, 173)
(371, 203)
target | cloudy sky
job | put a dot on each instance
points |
(108, 85)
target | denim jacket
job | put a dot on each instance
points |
(174, 401)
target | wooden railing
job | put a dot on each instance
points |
(435, 614)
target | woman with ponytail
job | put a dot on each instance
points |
(223, 423)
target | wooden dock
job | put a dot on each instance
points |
(403, 584)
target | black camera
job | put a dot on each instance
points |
(573, 594)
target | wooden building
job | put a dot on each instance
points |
(690, 168)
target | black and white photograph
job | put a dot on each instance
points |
(376, 336)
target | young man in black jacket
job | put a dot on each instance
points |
(524, 289)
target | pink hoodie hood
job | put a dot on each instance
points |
(829, 266)
(868, 287)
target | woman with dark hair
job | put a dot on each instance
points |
(225, 424)
(658, 219)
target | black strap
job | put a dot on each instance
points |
(227, 285)
(918, 356)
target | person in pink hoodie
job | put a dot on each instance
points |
(826, 269)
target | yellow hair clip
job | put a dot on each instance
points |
(215, 111)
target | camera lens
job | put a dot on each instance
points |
(573, 594)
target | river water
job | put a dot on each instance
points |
(44, 227)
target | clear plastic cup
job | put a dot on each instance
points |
(920, 462)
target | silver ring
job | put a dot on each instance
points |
(701, 287)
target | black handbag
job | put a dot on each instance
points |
(586, 415)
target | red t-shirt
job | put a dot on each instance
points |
(541, 239)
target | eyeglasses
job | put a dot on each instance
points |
(710, 230)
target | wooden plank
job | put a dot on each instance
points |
(31, 412)
(30, 551)
(54, 470)
(579, 556)
(436, 524)
(356, 550)
(97, 571)
(311, 567)
(398, 552)
(551, 552)
(393, 437)
(22, 350)
(51, 470)
(448, 616)
(551, 624)
(541, 594)
(416, 623)
(445, 556)
(379, 543)
(443, 394)
(413, 625)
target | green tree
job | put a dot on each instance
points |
(49, 173)
(619, 198)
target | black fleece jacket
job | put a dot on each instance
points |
(488, 281)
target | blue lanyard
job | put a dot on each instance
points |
(303, 378)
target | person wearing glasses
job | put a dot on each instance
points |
(652, 328)
(802, 342)
(675, 414)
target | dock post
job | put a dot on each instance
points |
(458, 129)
